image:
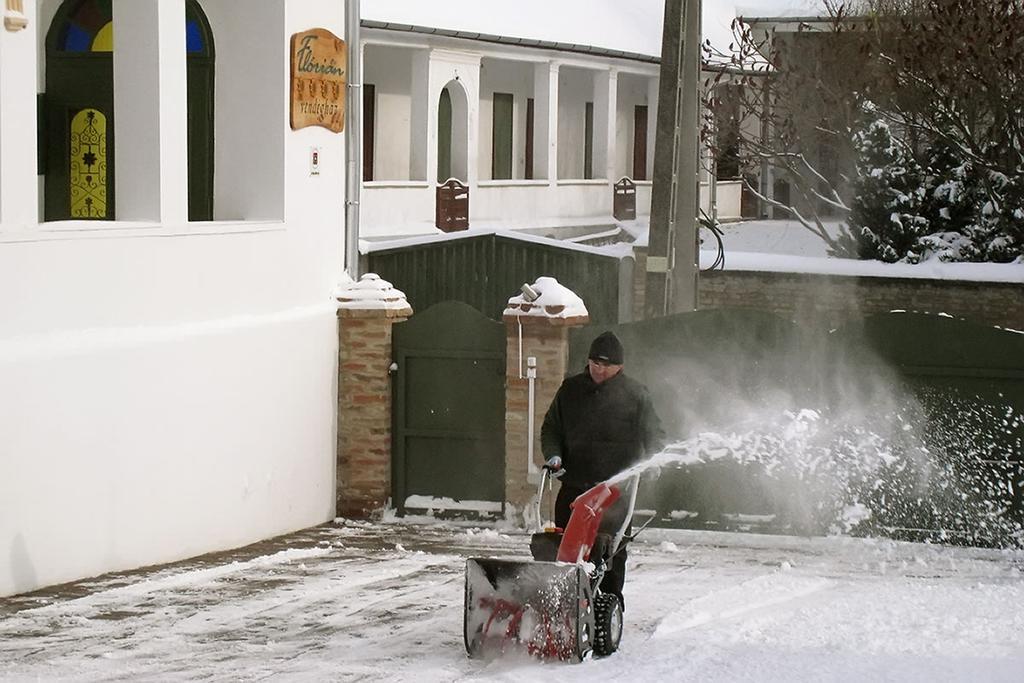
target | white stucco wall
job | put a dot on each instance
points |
(504, 76)
(166, 388)
(575, 89)
(632, 91)
(18, 189)
(251, 109)
(389, 70)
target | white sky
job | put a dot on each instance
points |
(633, 26)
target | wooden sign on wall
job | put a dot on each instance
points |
(319, 76)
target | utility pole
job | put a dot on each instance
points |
(672, 266)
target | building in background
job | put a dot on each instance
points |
(538, 113)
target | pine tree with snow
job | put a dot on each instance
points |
(1004, 219)
(953, 196)
(886, 215)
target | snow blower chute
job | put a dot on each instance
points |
(552, 607)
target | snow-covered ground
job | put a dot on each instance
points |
(383, 602)
(787, 246)
(782, 237)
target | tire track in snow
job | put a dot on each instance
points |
(754, 595)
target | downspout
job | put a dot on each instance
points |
(353, 137)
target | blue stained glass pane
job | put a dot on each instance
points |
(193, 37)
(77, 39)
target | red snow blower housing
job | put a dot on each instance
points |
(552, 607)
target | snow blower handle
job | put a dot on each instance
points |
(553, 466)
(551, 469)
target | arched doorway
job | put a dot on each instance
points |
(452, 133)
(79, 112)
(444, 136)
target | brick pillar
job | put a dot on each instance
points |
(639, 283)
(545, 332)
(366, 309)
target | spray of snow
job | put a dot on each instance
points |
(864, 474)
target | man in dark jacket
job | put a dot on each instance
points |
(600, 423)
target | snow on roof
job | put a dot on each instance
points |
(555, 301)
(367, 247)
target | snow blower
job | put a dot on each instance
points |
(553, 607)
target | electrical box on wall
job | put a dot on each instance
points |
(314, 161)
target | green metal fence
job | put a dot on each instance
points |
(938, 403)
(485, 270)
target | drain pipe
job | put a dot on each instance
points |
(353, 137)
(531, 377)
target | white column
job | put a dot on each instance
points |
(605, 96)
(545, 121)
(150, 114)
(422, 121)
(469, 76)
(463, 71)
(652, 123)
(19, 201)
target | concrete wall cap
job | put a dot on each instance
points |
(555, 301)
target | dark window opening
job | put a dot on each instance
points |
(369, 125)
(501, 137)
(528, 171)
(588, 141)
(640, 142)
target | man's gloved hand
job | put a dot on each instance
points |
(554, 466)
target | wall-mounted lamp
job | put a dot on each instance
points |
(529, 293)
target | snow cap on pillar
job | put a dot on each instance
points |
(373, 293)
(554, 301)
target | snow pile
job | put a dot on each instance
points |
(554, 301)
(443, 504)
(372, 292)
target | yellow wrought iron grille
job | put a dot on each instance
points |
(88, 176)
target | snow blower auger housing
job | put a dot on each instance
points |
(552, 607)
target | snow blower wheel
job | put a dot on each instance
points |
(607, 624)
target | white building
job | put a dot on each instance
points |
(538, 111)
(166, 384)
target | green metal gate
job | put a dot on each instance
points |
(449, 411)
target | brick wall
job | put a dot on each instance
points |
(364, 409)
(639, 283)
(839, 298)
(549, 344)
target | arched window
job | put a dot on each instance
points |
(80, 78)
(199, 49)
(86, 27)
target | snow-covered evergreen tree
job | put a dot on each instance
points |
(974, 215)
(886, 214)
(953, 195)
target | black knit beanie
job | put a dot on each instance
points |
(607, 347)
